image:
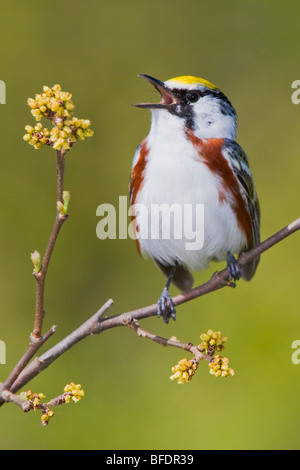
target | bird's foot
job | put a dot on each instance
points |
(234, 268)
(165, 306)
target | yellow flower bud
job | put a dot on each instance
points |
(80, 134)
(38, 127)
(88, 133)
(63, 134)
(31, 103)
(86, 123)
(29, 129)
(205, 337)
(38, 145)
(54, 105)
(35, 112)
(69, 106)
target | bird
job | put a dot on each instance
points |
(191, 157)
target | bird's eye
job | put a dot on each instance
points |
(192, 96)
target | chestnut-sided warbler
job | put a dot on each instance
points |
(190, 157)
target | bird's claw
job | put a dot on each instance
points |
(234, 269)
(165, 306)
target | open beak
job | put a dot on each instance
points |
(167, 98)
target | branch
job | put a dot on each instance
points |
(28, 400)
(97, 324)
(217, 281)
(34, 346)
(41, 275)
(7, 396)
(175, 343)
(88, 328)
(56, 106)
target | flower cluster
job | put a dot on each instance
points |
(73, 392)
(47, 414)
(185, 369)
(52, 102)
(33, 398)
(219, 367)
(211, 341)
(57, 106)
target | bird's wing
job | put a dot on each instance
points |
(239, 163)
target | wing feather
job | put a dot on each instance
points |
(240, 165)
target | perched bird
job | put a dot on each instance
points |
(191, 157)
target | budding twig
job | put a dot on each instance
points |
(29, 401)
(57, 106)
(41, 275)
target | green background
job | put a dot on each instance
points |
(95, 50)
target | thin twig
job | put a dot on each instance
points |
(60, 172)
(28, 405)
(41, 275)
(142, 333)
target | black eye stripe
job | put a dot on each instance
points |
(180, 94)
(184, 109)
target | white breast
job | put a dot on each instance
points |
(175, 175)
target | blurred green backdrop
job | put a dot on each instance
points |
(95, 50)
